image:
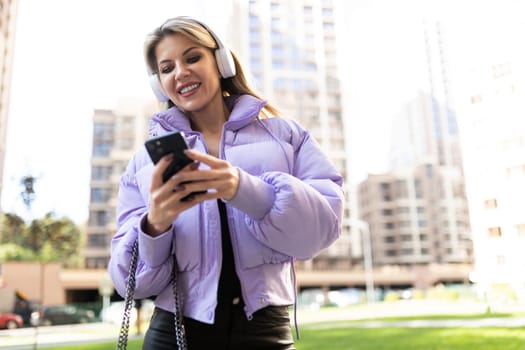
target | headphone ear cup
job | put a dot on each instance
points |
(157, 88)
(225, 62)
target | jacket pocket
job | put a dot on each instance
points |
(188, 240)
(253, 253)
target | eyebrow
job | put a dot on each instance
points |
(184, 53)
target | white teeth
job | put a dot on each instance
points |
(188, 88)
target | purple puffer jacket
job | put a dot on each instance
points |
(288, 206)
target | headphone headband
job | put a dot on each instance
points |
(223, 57)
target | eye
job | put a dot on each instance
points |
(165, 69)
(194, 59)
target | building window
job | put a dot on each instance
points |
(494, 231)
(328, 12)
(385, 192)
(390, 239)
(403, 224)
(101, 173)
(308, 10)
(254, 20)
(328, 27)
(389, 225)
(500, 260)
(97, 240)
(98, 218)
(254, 38)
(100, 195)
(390, 253)
(491, 203)
(103, 131)
(429, 169)
(401, 189)
(406, 238)
(418, 189)
(125, 144)
(97, 263)
(475, 99)
(102, 149)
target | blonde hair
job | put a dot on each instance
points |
(197, 32)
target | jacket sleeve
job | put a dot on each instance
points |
(154, 264)
(296, 214)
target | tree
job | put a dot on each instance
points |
(46, 239)
(13, 227)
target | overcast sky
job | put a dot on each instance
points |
(74, 56)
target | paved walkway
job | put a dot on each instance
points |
(24, 339)
(408, 308)
(504, 322)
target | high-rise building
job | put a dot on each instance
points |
(290, 49)
(418, 211)
(117, 134)
(427, 128)
(492, 123)
(8, 17)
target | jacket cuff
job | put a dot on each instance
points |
(254, 196)
(154, 250)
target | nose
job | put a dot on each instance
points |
(181, 72)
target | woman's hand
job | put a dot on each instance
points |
(221, 180)
(166, 204)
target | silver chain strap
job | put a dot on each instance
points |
(180, 332)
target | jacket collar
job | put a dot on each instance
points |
(244, 109)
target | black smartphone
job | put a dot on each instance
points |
(174, 143)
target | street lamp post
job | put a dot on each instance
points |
(364, 228)
(105, 290)
(28, 196)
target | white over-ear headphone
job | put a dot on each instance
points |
(223, 56)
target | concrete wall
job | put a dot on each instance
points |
(37, 281)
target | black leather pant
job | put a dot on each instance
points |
(268, 330)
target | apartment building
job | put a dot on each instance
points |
(493, 137)
(407, 212)
(8, 17)
(290, 49)
(117, 134)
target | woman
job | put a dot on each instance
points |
(271, 196)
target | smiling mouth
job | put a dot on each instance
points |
(189, 88)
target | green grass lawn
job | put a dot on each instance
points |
(412, 339)
(339, 337)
